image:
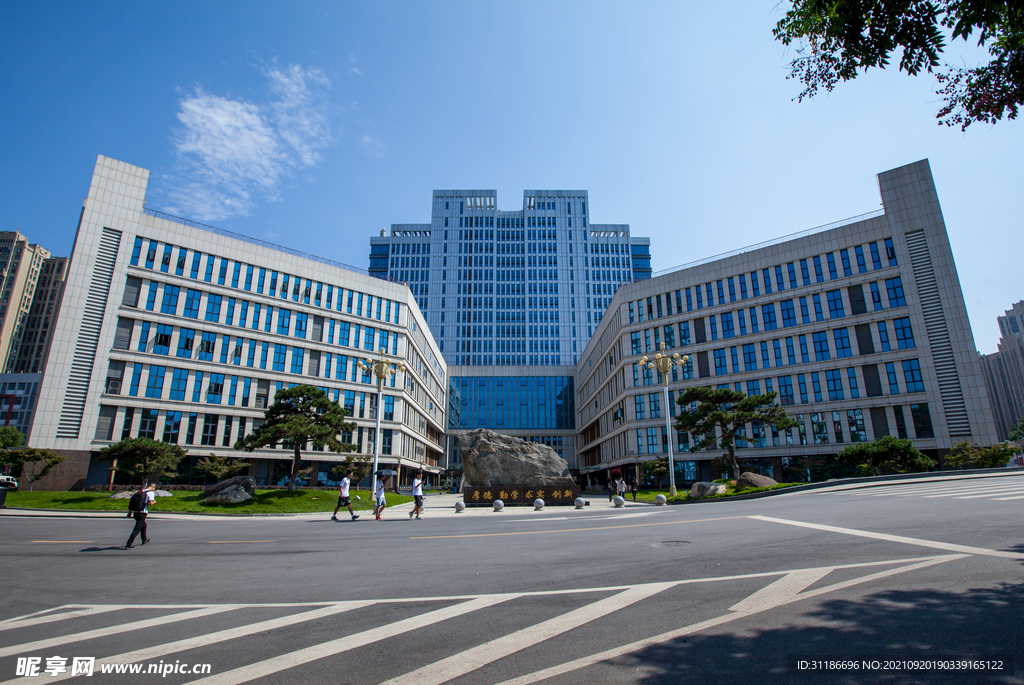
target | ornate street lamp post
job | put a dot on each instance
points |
(663, 364)
(382, 370)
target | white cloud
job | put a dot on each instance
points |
(371, 146)
(232, 153)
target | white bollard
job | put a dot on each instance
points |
(619, 502)
(460, 507)
(580, 503)
(498, 505)
(660, 500)
(538, 504)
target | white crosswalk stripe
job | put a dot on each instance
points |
(995, 489)
(780, 588)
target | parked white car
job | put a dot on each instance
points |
(9, 482)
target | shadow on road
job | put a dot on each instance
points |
(980, 623)
(101, 549)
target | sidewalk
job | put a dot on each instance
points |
(443, 506)
(435, 505)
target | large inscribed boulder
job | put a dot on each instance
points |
(493, 459)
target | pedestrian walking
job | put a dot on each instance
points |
(138, 507)
(611, 489)
(378, 498)
(633, 485)
(343, 498)
(417, 494)
(621, 487)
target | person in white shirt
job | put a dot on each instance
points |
(621, 486)
(378, 498)
(343, 498)
(417, 493)
(140, 512)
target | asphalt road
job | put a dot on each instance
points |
(711, 592)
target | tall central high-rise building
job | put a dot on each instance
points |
(512, 298)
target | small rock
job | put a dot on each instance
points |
(754, 480)
(247, 483)
(124, 494)
(702, 489)
(163, 493)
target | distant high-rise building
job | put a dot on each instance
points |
(512, 297)
(20, 265)
(28, 354)
(1004, 372)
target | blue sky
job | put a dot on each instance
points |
(314, 124)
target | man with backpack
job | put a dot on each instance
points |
(138, 507)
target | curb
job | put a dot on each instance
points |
(868, 482)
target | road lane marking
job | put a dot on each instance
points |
(1006, 499)
(237, 542)
(304, 656)
(975, 491)
(477, 657)
(34, 619)
(39, 645)
(782, 591)
(199, 641)
(572, 530)
(949, 547)
(567, 667)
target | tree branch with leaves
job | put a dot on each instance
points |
(839, 39)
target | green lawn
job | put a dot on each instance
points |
(265, 502)
(649, 495)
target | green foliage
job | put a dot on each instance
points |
(1017, 432)
(656, 469)
(885, 454)
(144, 459)
(300, 415)
(220, 468)
(11, 437)
(965, 455)
(31, 462)
(360, 466)
(729, 411)
(839, 38)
